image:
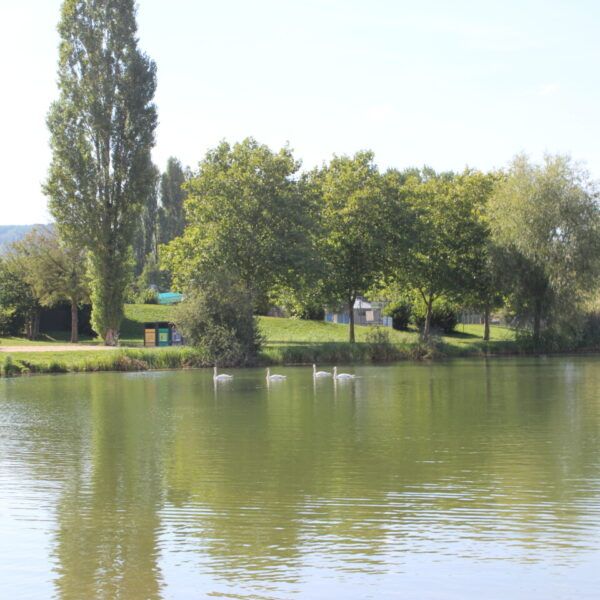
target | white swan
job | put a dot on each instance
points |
(337, 375)
(222, 377)
(275, 376)
(320, 373)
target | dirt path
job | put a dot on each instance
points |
(53, 348)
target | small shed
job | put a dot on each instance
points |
(365, 313)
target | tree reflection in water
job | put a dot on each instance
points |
(166, 484)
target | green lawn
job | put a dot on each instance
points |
(68, 359)
(288, 341)
(277, 331)
(45, 340)
(132, 328)
(283, 332)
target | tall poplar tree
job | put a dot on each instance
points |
(101, 134)
(145, 242)
(172, 195)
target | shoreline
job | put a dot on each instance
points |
(184, 358)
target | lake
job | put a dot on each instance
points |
(455, 480)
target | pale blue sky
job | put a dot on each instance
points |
(444, 83)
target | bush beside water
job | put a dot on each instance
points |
(444, 316)
(401, 313)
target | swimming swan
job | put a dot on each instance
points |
(320, 373)
(222, 377)
(337, 375)
(274, 377)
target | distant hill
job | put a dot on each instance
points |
(12, 233)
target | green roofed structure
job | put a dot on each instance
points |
(170, 298)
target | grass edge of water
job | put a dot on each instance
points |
(140, 359)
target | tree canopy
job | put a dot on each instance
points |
(443, 257)
(54, 271)
(546, 221)
(172, 196)
(355, 218)
(246, 216)
(101, 134)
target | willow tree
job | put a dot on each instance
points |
(545, 221)
(101, 133)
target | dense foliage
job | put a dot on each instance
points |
(172, 195)
(247, 233)
(218, 318)
(40, 270)
(356, 219)
(245, 215)
(101, 134)
(546, 223)
(19, 306)
(443, 318)
(401, 313)
(525, 242)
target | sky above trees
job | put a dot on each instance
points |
(447, 84)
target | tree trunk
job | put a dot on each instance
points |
(109, 278)
(486, 323)
(33, 326)
(111, 337)
(74, 322)
(427, 328)
(537, 322)
(351, 311)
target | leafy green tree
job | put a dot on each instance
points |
(487, 292)
(145, 243)
(443, 315)
(545, 220)
(219, 319)
(481, 281)
(442, 259)
(101, 133)
(245, 216)
(172, 197)
(153, 277)
(54, 270)
(19, 304)
(355, 219)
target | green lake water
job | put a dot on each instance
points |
(458, 480)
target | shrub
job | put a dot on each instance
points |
(219, 320)
(425, 350)
(590, 336)
(147, 296)
(401, 313)
(7, 321)
(129, 363)
(303, 303)
(443, 317)
(9, 367)
(379, 346)
(56, 367)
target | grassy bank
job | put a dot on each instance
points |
(287, 341)
(127, 359)
(296, 343)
